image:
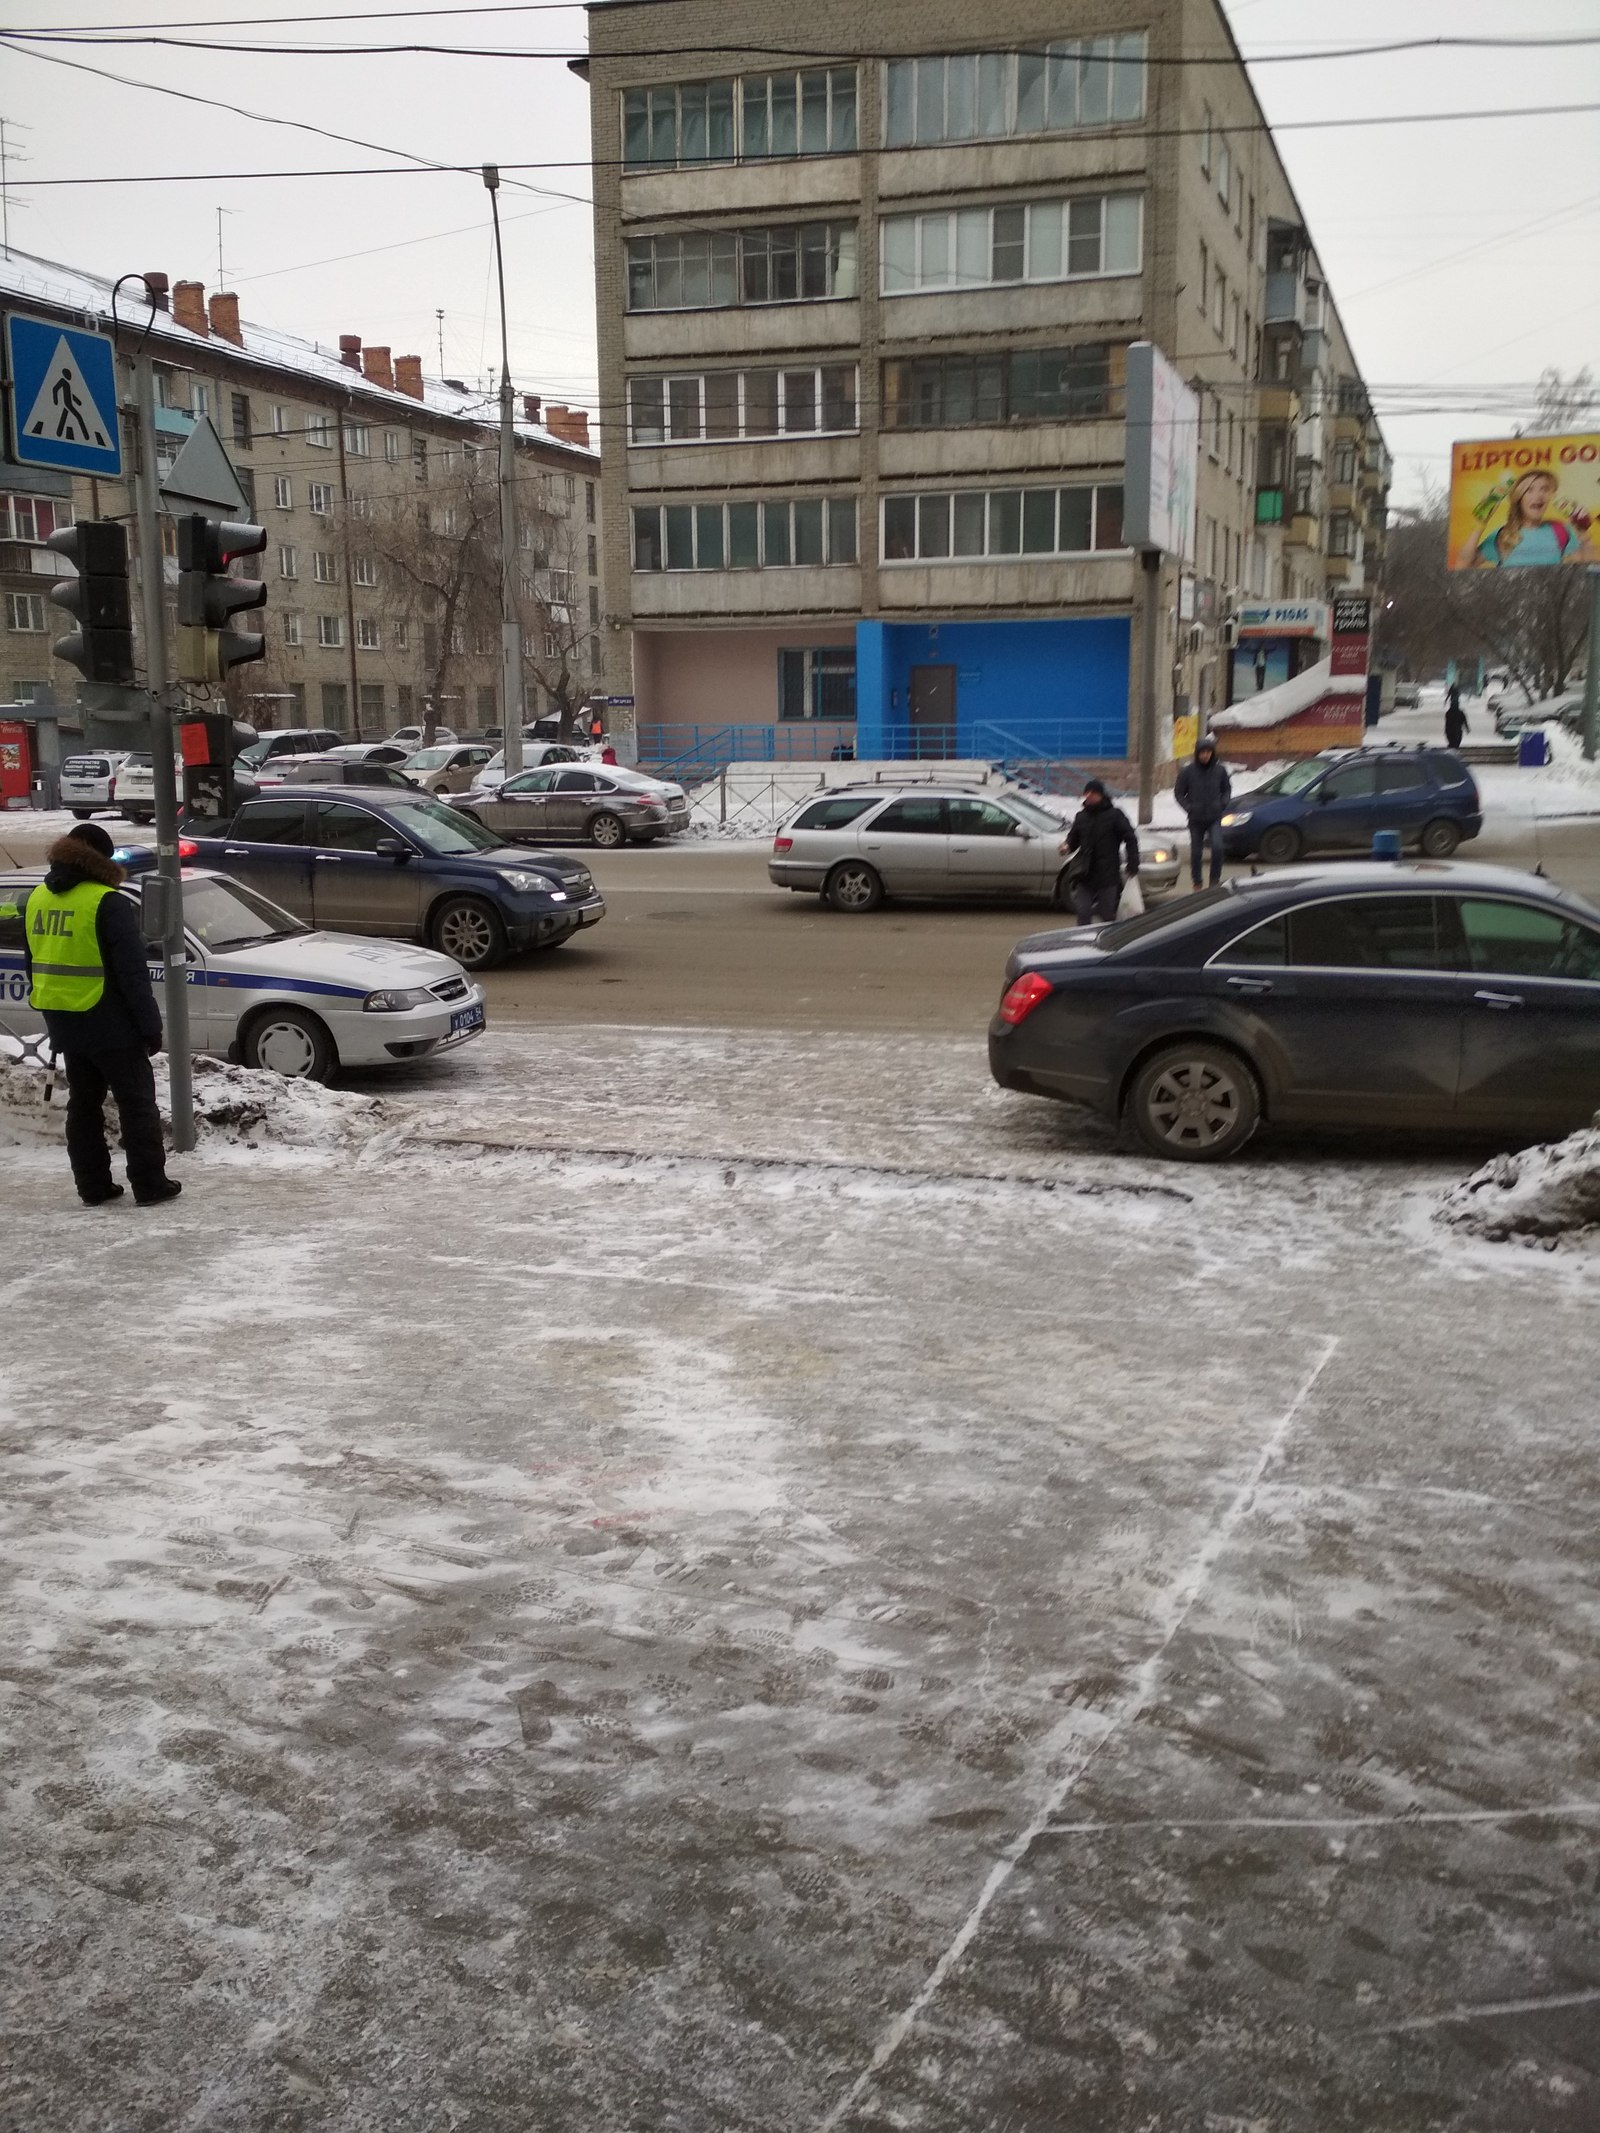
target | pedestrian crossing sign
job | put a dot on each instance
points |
(63, 395)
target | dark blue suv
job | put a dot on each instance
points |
(365, 860)
(1334, 802)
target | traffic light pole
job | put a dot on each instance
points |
(152, 588)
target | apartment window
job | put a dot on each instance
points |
(971, 96)
(1219, 303)
(569, 489)
(371, 700)
(968, 524)
(324, 566)
(364, 570)
(1233, 333)
(33, 518)
(1028, 385)
(288, 562)
(594, 557)
(1207, 141)
(419, 457)
(319, 432)
(796, 263)
(1224, 173)
(282, 492)
(1040, 241)
(322, 498)
(1344, 464)
(358, 440)
(1250, 239)
(1341, 536)
(772, 535)
(292, 628)
(817, 682)
(199, 399)
(394, 445)
(402, 635)
(594, 606)
(239, 407)
(281, 422)
(725, 404)
(330, 632)
(335, 702)
(25, 613)
(589, 502)
(368, 638)
(1205, 278)
(404, 698)
(753, 117)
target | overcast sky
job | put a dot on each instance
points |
(1462, 254)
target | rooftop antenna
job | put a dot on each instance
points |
(222, 279)
(439, 315)
(8, 156)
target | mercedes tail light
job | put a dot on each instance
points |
(1023, 996)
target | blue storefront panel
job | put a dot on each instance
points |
(982, 689)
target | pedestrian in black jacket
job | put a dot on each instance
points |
(1100, 836)
(107, 1041)
(1203, 791)
(1455, 719)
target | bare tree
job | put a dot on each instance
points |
(555, 631)
(438, 555)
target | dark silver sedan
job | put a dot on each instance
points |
(602, 804)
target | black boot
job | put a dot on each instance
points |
(168, 1189)
(99, 1199)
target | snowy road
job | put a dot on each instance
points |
(794, 1592)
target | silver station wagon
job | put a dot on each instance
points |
(858, 844)
(602, 804)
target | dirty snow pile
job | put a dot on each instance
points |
(1542, 1194)
(232, 1104)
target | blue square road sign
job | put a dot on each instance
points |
(63, 397)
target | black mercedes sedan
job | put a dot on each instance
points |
(1428, 995)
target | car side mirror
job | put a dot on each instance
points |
(393, 848)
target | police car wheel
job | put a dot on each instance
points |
(82, 814)
(468, 931)
(283, 1040)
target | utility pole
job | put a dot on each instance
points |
(511, 679)
(1591, 681)
(152, 588)
(1150, 569)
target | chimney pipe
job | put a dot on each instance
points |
(350, 350)
(189, 307)
(408, 376)
(531, 404)
(225, 319)
(156, 288)
(377, 367)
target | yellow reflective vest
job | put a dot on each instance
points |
(64, 947)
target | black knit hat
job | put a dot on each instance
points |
(1094, 785)
(91, 834)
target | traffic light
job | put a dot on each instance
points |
(101, 647)
(208, 745)
(208, 597)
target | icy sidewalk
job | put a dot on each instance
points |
(697, 1581)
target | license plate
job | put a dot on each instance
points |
(467, 1018)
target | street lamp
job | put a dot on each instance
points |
(511, 681)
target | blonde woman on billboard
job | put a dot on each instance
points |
(1528, 533)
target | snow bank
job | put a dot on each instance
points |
(1289, 698)
(232, 1104)
(1549, 1192)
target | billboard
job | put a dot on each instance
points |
(1162, 455)
(1525, 500)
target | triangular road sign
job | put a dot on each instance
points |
(64, 409)
(201, 478)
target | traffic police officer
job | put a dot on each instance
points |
(86, 964)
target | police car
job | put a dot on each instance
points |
(270, 992)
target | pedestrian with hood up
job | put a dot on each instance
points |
(1203, 791)
(1455, 719)
(85, 963)
(1100, 838)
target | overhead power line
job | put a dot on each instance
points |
(1312, 125)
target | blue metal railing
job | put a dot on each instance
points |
(690, 751)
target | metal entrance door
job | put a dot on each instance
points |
(933, 710)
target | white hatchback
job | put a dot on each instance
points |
(269, 992)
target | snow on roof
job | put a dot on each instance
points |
(46, 281)
(1289, 698)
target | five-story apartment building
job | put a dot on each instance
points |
(864, 313)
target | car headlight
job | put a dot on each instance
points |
(515, 878)
(396, 1003)
(1161, 856)
(1232, 821)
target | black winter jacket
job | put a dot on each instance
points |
(1203, 790)
(125, 1018)
(1103, 834)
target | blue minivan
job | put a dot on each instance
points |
(1333, 803)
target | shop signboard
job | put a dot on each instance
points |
(1352, 633)
(1284, 618)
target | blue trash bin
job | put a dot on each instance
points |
(1533, 748)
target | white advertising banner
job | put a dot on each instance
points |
(1162, 456)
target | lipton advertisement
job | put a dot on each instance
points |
(1517, 502)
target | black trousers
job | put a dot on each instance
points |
(1199, 833)
(127, 1075)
